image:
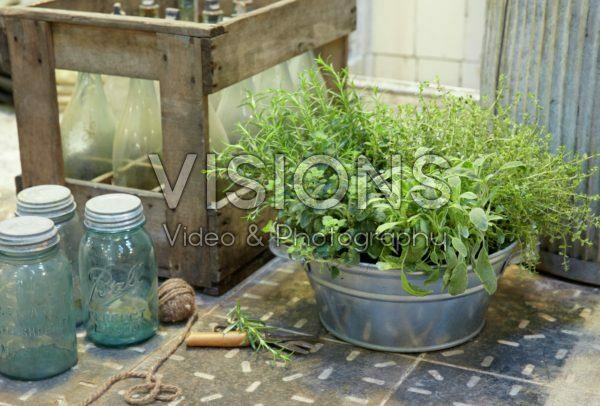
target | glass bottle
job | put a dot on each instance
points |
(299, 65)
(217, 134)
(118, 9)
(212, 14)
(232, 109)
(37, 321)
(139, 133)
(186, 9)
(277, 77)
(57, 204)
(149, 8)
(87, 130)
(172, 14)
(242, 6)
(119, 277)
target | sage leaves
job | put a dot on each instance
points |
(485, 271)
(411, 288)
(479, 218)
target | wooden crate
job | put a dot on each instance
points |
(191, 61)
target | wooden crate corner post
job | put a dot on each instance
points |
(31, 52)
(184, 109)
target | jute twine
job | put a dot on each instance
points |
(177, 301)
(153, 389)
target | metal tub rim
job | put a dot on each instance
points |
(371, 271)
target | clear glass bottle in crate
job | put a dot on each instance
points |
(119, 277)
(87, 130)
(212, 13)
(57, 204)
(37, 320)
(139, 133)
(186, 9)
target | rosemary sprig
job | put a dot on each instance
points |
(255, 332)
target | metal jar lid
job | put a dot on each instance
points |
(26, 235)
(50, 201)
(113, 213)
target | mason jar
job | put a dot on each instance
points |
(56, 203)
(118, 272)
(37, 320)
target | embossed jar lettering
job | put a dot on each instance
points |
(118, 272)
(37, 314)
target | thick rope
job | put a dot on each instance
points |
(153, 389)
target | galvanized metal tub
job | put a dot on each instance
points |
(368, 307)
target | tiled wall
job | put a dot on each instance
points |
(418, 39)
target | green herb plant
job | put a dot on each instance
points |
(502, 180)
(256, 333)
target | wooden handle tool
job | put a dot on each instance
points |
(217, 339)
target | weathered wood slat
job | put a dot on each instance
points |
(248, 241)
(552, 49)
(286, 29)
(95, 19)
(131, 6)
(32, 57)
(120, 52)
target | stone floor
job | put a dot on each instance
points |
(541, 345)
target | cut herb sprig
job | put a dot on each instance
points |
(255, 333)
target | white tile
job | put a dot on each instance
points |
(470, 75)
(474, 29)
(395, 67)
(393, 26)
(448, 72)
(440, 28)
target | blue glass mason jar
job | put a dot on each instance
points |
(37, 320)
(119, 277)
(56, 203)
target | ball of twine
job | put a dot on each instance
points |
(176, 301)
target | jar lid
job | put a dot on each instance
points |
(24, 235)
(114, 212)
(50, 201)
